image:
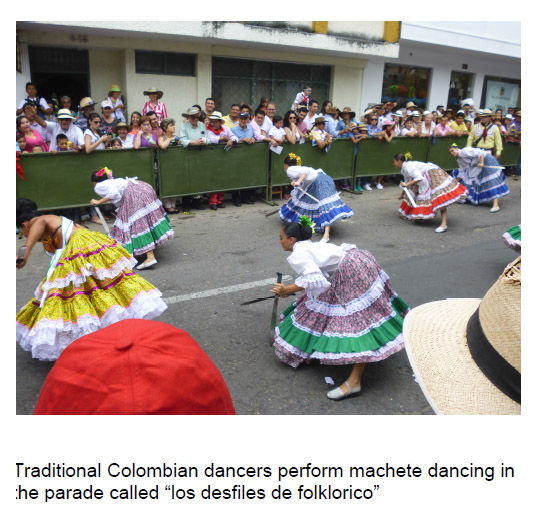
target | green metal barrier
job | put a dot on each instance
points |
(62, 180)
(338, 162)
(511, 154)
(375, 157)
(197, 170)
(438, 151)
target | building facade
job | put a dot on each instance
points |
(189, 61)
(440, 63)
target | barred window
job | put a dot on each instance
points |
(236, 80)
(162, 62)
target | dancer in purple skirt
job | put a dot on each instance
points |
(141, 224)
(348, 313)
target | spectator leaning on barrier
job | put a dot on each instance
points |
(94, 137)
(135, 122)
(145, 137)
(193, 132)
(244, 134)
(258, 127)
(346, 126)
(443, 129)
(330, 121)
(121, 130)
(117, 106)
(486, 135)
(409, 129)
(154, 104)
(32, 136)
(458, 125)
(168, 139)
(292, 132)
(301, 115)
(30, 112)
(318, 135)
(34, 99)
(277, 132)
(427, 126)
(87, 106)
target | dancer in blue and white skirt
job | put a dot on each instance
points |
(315, 195)
(479, 171)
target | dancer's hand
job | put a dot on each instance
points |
(295, 183)
(280, 290)
(20, 263)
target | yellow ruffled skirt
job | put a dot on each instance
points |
(92, 286)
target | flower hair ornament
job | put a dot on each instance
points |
(295, 157)
(408, 156)
(104, 171)
(306, 221)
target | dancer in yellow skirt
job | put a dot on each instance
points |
(88, 285)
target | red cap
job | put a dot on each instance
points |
(135, 367)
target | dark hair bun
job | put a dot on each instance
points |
(299, 231)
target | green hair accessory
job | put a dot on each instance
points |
(306, 221)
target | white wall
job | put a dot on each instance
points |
(373, 77)
(24, 76)
(106, 67)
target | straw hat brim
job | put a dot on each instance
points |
(436, 344)
(159, 92)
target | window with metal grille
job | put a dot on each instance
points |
(236, 80)
(162, 62)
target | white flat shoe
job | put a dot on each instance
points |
(145, 265)
(338, 394)
(325, 240)
(441, 229)
(495, 209)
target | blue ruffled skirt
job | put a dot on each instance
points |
(485, 185)
(329, 209)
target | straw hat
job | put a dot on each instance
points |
(114, 88)
(346, 109)
(191, 112)
(410, 104)
(466, 353)
(216, 115)
(153, 90)
(331, 110)
(64, 114)
(135, 367)
(86, 101)
(319, 120)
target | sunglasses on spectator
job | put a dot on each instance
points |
(292, 118)
(96, 121)
(374, 119)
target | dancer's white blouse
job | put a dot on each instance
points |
(294, 172)
(314, 261)
(418, 171)
(113, 189)
(469, 157)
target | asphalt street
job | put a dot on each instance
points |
(214, 250)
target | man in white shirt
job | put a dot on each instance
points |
(64, 126)
(258, 127)
(270, 112)
(309, 119)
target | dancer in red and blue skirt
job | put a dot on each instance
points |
(141, 224)
(479, 171)
(348, 313)
(431, 187)
(315, 196)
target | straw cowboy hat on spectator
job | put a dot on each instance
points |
(346, 109)
(153, 90)
(64, 114)
(86, 101)
(135, 367)
(191, 112)
(466, 353)
(114, 88)
(216, 115)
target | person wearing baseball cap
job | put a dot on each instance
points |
(466, 353)
(135, 367)
(117, 106)
(109, 120)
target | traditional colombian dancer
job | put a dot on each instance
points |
(479, 171)
(348, 313)
(432, 189)
(141, 223)
(512, 237)
(313, 184)
(89, 284)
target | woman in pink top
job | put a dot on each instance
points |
(443, 129)
(32, 136)
(154, 104)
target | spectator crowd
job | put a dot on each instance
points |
(46, 127)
